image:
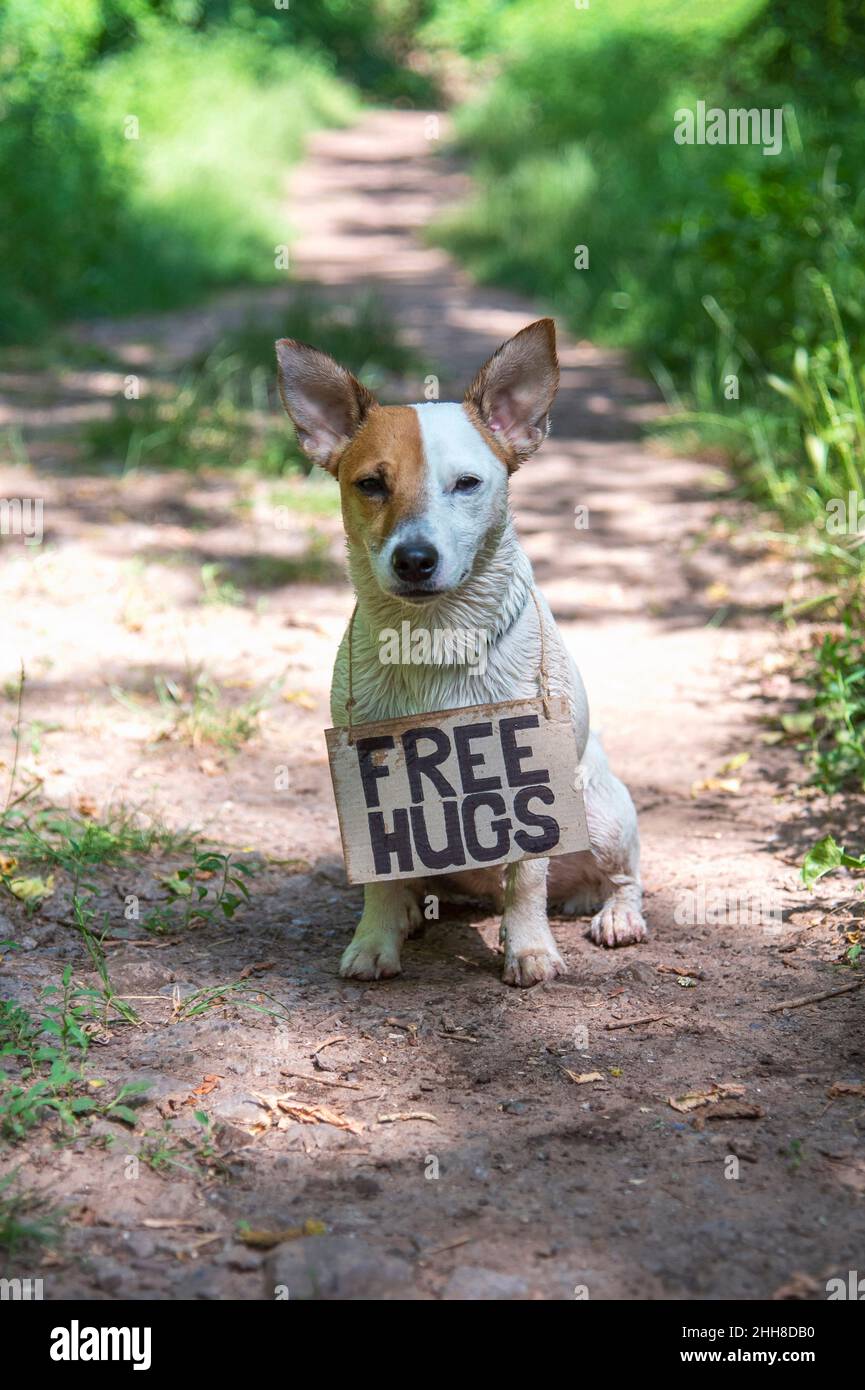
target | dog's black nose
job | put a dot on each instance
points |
(415, 561)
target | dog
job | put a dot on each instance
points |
(424, 492)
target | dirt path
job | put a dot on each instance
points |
(524, 1183)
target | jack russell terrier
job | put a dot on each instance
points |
(426, 512)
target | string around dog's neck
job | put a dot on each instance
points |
(543, 673)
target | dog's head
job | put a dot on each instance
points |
(424, 487)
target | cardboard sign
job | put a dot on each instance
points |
(460, 789)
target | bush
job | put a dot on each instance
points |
(96, 222)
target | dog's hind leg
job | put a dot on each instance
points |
(615, 842)
(390, 912)
(531, 954)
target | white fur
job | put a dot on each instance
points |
(491, 581)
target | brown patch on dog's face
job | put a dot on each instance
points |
(382, 474)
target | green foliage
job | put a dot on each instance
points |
(836, 712)
(51, 838)
(824, 858)
(574, 145)
(191, 903)
(102, 216)
(713, 263)
(25, 1219)
(48, 1053)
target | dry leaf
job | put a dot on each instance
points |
(583, 1077)
(87, 807)
(845, 1088)
(32, 890)
(319, 1115)
(718, 592)
(299, 697)
(716, 784)
(733, 1110)
(266, 1240)
(256, 969)
(733, 764)
(210, 1083)
(681, 970)
(694, 1100)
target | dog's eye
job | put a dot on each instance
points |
(467, 483)
(371, 487)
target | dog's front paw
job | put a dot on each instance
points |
(371, 958)
(618, 924)
(532, 967)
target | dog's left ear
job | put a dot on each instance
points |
(514, 390)
(326, 404)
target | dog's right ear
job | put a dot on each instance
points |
(326, 404)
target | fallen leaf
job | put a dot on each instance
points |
(87, 807)
(256, 969)
(582, 1078)
(716, 784)
(32, 890)
(210, 767)
(717, 592)
(210, 1083)
(299, 697)
(733, 764)
(266, 1240)
(694, 1100)
(845, 1088)
(319, 1115)
(733, 1110)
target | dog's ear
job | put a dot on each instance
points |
(513, 391)
(327, 405)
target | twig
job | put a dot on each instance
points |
(814, 998)
(633, 1022)
(458, 1037)
(322, 1080)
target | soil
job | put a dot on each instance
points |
(480, 1162)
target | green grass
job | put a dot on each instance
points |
(26, 1219)
(47, 1052)
(196, 711)
(833, 717)
(49, 838)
